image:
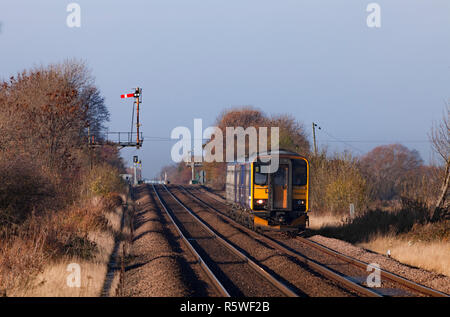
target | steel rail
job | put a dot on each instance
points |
(387, 275)
(260, 270)
(215, 281)
(316, 266)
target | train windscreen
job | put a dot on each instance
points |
(299, 173)
(260, 178)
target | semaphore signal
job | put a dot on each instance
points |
(122, 139)
(137, 95)
(127, 96)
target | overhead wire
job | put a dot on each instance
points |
(341, 141)
(380, 141)
(347, 142)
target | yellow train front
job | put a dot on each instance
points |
(270, 201)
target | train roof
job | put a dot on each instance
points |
(280, 152)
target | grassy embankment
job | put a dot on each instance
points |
(35, 258)
(408, 234)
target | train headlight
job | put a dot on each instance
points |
(299, 204)
(260, 204)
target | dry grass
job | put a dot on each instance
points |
(425, 245)
(373, 223)
(52, 282)
(433, 256)
(35, 262)
(318, 221)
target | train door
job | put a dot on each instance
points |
(281, 186)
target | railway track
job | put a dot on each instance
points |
(394, 285)
(213, 279)
(229, 270)
(384, 274)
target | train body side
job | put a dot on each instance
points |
(238, 184)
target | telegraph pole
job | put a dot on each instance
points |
(314, 138)
(314, 125)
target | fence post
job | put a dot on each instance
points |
(352, 211)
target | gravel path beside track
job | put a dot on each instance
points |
(161, 265)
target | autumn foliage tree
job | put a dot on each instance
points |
(292, 136)
(45, 113)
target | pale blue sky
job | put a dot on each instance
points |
(315, 59)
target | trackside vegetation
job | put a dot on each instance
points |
(60, 202)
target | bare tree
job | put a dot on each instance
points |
(441, 144)
(387, 167)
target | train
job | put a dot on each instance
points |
(275, 201)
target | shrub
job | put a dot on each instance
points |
(24, 189)
(102, 180)
(346, 190)
(335, 183)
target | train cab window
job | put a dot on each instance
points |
(299, 173)
(260, 178)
